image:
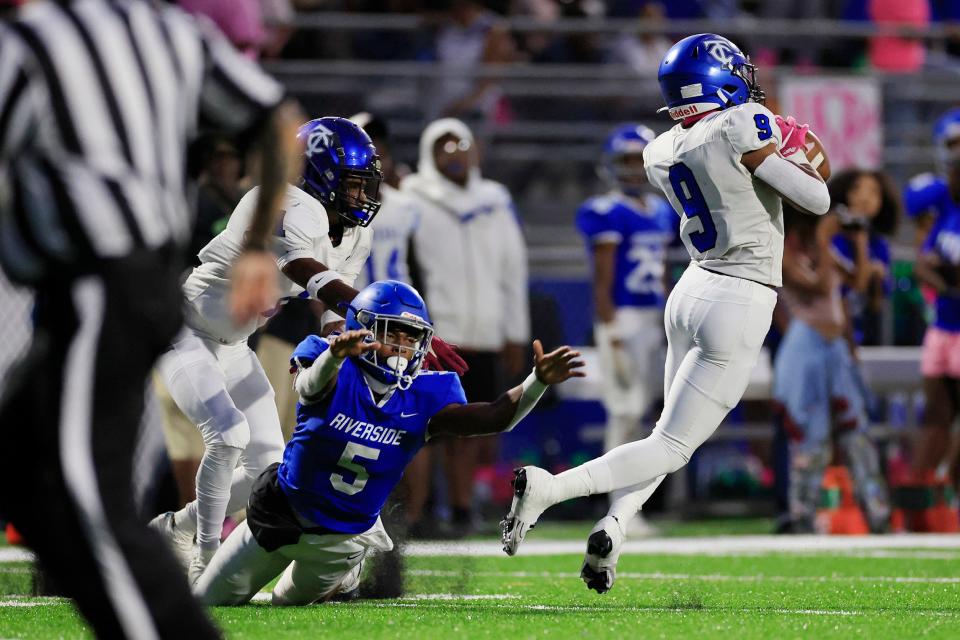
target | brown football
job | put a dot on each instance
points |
(817, 155)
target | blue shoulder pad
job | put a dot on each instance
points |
(593, 219)
(923, 192)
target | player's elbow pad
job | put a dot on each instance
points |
(794, 184)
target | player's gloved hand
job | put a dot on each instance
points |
(352, 343)
(444, 356)
(556, 366)
(794, 135)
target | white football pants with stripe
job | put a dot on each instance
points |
(715, 327)
(222, 388)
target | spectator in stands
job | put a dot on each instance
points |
(240, 20)
(897, 54)
(469, 37)
(938, 267)
(220, 172)
(642, 52)
(816, 386)
(868, 207)
(472, 258)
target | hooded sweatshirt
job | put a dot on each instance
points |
(470, 251)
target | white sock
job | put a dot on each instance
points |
(240, 486)
(213, 492)
(627, 502)
(688, 419)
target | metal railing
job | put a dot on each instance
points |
(561, 112)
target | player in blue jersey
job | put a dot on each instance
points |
(626, 231)
(365, 410)
(934, 200)
(938, 267)
(929, 196)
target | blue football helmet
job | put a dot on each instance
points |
(706, 72)
(342, 168)
(946, 135)
(618, 165)
(384, 307)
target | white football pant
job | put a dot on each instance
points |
(316, 568)
(222, 388)
(632, 374)
(715, 328)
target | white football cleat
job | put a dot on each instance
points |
(532, 495)
(180, 541)
(603, 551)
(201, 558)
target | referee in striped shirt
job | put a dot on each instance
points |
(98, 102)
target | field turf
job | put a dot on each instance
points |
(722, 586)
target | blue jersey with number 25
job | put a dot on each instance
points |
(641, 235)
(348, 452)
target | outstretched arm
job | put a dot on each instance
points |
(503, 414)
(316, 380)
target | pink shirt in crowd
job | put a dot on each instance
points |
(898, 55)
(240, 21)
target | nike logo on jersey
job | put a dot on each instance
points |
(353, 556)
(407, 415)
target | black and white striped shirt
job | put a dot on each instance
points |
(98, 101)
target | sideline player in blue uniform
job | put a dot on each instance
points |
(626, 231)
(929, 196)
(365, 410)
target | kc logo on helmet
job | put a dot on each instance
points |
(319, 140)
(721, 50)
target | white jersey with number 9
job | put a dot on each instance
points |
(731, 222)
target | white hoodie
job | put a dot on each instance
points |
(471, 252)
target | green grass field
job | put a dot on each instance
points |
(891, 588)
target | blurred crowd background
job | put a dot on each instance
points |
(540, 84)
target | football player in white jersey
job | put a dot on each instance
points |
(320, 243)
(398, 218)
(725, 168)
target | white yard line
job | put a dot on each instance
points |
(15, 554)
(710, 546)
(685, 576)
(515, 606)
(913, 545)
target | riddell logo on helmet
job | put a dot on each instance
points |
(684, 111)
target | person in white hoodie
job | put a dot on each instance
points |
(473, 261)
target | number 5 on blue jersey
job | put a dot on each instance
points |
(694, 205)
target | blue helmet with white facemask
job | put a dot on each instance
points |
(386, 307)
(946, 139)
(341, 168)
(623, 142)
(705, 72)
